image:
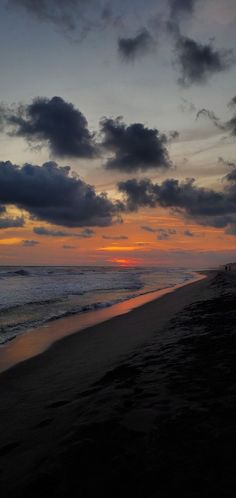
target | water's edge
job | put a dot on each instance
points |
(34, 342)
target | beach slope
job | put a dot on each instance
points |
(141, 405)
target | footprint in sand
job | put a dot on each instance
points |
(44, 423)
(58, 404)
(4, 450)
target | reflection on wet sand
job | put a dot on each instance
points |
(32, 343)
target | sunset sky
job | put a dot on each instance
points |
(118, 132)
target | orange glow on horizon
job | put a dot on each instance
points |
(10, 242)
(125, 261)
(120, 248)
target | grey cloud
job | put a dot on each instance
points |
(165, 234)
(51, 233)
(232, 102)
(2, 210)
(180, 7)
(29, 243)
(132, 47)
(85, 234)
(138, 193)
(50, 193)
(174, 135)
(213, 118)
(188, 233)
(148, 229)
(66, 246)
(204, 206)
(134, 147)
(72, 17)
(118, 237)
(179, 10)
(54, 122)
(231, 125)
(198, 62)
(229, 164)
(12, 222)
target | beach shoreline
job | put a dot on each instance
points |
(139, 405)
(34, 342)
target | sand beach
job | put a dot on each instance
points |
(140, 405)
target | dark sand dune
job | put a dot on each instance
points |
(159, 422)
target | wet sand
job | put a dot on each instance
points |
(141, 405)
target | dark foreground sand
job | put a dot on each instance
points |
(143, 405)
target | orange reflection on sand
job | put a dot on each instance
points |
(33, 343)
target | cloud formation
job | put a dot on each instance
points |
(205, 206)
(118, 237)
(213, 118)
(2, 210)
(50, 193)
(188, 233)
(70, 16)
(85, 234)
(198, 62)
(180, 7)
(134, 147)
(54, 122)
(148, 229)
(29, 243)
(132, 47)
(12, 222)
(165, 234)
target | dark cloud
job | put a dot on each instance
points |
(2, 210)
(29, 243)
(72, 17)
(66, 246)
(50, 233)
(173, 136)
(12, 222)
(118, 237)
(54, 122)
(188, 233)
(148, 229)
(198, 62)
(213, 118)
(229, 164)
(232, 102)
(180, 7)
(179, 10)
(227, 126)
(165, 234)
(85, 234)
(50, 193)
(138, 193)
(205, 206)
(134, 147)
(133, 47)
(231, 125)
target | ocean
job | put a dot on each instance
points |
(32, 296)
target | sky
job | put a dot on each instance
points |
(118, 132)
